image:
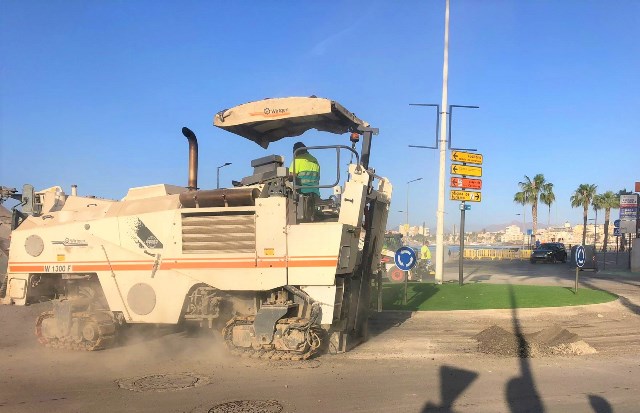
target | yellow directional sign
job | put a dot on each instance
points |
(465, 196)
(466, 157)
(466, 170)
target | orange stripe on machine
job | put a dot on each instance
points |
(171, 264)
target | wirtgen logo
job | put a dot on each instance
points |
(270, 111)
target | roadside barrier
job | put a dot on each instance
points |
(497, 254)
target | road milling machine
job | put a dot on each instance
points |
(282, 274)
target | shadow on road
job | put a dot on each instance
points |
(521, 392)
(453, 382)
(599, 404)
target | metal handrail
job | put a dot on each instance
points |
(337, 148)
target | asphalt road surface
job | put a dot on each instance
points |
(421, 362)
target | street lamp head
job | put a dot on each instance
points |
(414, 180)
(218, 173)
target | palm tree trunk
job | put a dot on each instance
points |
(534, 214)
(584, 224)
(607, 215)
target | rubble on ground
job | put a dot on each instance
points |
(553, 340)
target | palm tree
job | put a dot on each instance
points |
(530, 194)
(582, 198)
(547, 197)
(608, 200)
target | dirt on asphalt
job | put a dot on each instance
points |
(553, 340)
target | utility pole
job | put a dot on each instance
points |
(443, 154)
(461, 257)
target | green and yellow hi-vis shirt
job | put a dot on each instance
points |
(307, 171)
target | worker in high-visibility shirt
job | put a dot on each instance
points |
(425, 257)
(425, 252)
(307, 170)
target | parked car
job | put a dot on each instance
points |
(549, 252)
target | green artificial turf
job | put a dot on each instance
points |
(479, 296)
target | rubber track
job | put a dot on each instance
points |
(267, 354)
(106, 333)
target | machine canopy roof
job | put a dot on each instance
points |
(269, 120)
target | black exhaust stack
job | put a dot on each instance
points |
(193, 158)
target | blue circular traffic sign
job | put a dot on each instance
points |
(405, 258)
(580, 256)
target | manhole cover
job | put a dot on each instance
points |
(163, 382)
(248, 406)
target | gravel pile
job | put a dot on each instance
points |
(553, 340)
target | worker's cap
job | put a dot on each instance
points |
(298, 145)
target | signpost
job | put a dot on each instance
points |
(458, 195)
(465, 183)
(580, 260)
(405, 259)
(466, 170)
(463, 209)
(466, 157)
(628, 212)
(465, 196)
(629, 217)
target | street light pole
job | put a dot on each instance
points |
(443, 154)
(218, 174)
(407, 210)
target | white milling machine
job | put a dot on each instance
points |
(281, 277)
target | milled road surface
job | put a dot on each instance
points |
(421, 362)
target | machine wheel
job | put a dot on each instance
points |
(94, 330)
(395, 274)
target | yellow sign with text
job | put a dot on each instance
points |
(466, 157)
(466, 170)
(465, 196)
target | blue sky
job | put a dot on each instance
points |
(95, 93)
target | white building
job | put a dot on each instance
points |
(512, 234)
